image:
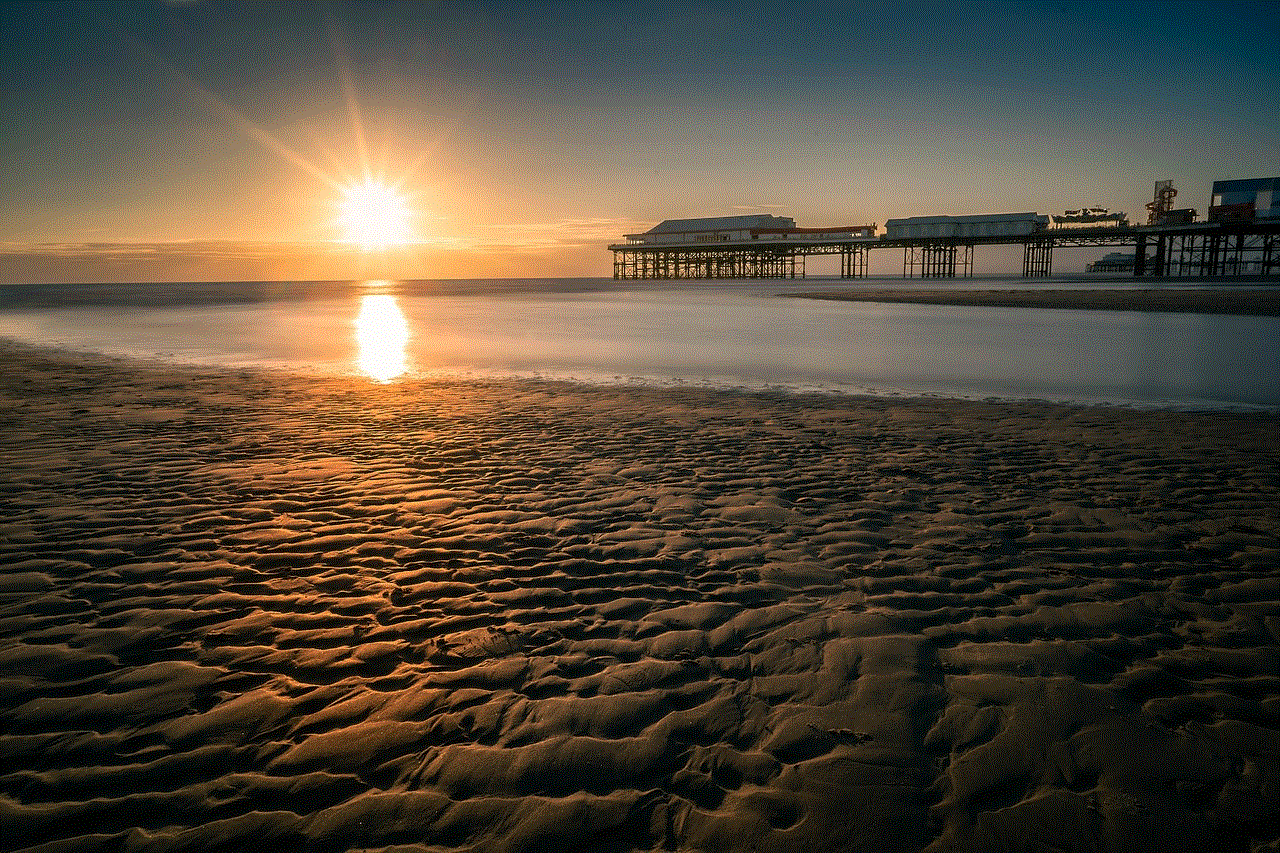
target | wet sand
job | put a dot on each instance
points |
(1255, 301)
(241, 610)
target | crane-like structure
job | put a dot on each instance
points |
(1161, 203)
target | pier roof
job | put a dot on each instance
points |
(722, 223)
(976, 217)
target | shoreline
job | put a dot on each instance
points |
(768, 390)
(1253, 302)
(324, 613)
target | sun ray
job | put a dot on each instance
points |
(373, 210)
(343, 60)
(203, 96)
(242, 123)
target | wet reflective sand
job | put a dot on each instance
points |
(735, 335)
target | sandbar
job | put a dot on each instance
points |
(1248, 301)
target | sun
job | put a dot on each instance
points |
(375, 215)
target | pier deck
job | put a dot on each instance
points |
(1202, 249)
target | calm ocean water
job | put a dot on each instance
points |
(720, 334)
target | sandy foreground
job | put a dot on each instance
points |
(1249, 301)
(252, 611)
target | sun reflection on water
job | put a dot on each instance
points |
(382, 333)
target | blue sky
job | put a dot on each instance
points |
(528, 135)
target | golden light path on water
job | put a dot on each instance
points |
(382, 334)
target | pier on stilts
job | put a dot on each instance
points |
(1234, 242)
(761, 246)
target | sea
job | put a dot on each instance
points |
(711, 333)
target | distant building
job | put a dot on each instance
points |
(715, 229)
(1090, 216)
(1244, 201)
(739, 229)
(981, 225)
(1114, 262)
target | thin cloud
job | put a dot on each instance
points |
(563, 233)
(209, 260)
(136, 251)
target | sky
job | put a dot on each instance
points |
(181, 141)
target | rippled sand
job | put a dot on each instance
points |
(246, 611)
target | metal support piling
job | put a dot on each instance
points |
(1037, 259)
(853, 262)
(937, 260)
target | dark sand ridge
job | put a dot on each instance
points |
(253, 611)
(1252, 301)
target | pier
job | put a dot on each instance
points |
(1234, 242)
(1205, 249)
(761, 246)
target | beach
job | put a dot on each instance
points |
(245, 609)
